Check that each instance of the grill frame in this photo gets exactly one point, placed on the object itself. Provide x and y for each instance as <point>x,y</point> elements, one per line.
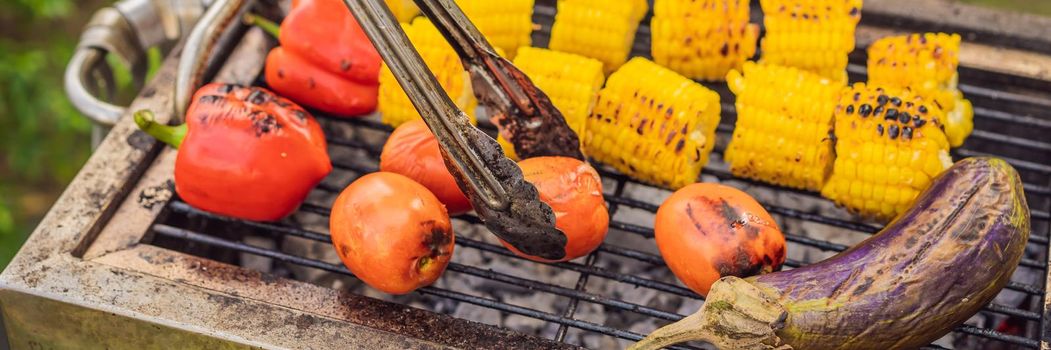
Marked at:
<point>86,254</point>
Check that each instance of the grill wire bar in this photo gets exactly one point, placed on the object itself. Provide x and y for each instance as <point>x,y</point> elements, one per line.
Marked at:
<point>1010,110</point>
<point>565,320</point>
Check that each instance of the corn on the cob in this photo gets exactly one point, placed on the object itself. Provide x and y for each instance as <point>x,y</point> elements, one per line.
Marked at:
<point>507,24</point>
<point>889,146</point>
<point>702,39</point>
<point>570,81</point>
<point>403,10</point>
<point>927,64</point>
<point>600,29</point>
<point>394,106</point>
<point>653,124</point>
<point>815,35</point>
<point>784,120</point>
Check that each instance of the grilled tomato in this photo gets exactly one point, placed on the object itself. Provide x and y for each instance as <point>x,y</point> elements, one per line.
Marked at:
<point>573,189</point>
<point>707,231</point>
<point>391,232</point>
<point>412,150</point>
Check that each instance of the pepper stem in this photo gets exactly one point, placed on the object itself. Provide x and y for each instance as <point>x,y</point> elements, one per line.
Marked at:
<point>268,26</point>
<point>171,135</point>
<point>736,315</point>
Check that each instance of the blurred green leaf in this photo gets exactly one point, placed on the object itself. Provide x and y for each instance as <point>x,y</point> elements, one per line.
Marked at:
<point>42,8</point>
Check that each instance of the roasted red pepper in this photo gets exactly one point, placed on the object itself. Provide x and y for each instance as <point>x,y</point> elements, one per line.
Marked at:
<point>244,152</point>
<point>325,61</point>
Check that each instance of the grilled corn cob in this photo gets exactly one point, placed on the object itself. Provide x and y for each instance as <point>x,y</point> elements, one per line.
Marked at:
<point>925,63</point>
<point>600,29</point>
<point>702,39</point>
<point>570,81</point>
<point>889,146</point>
<point>403,10</point>
<point>653,124</point>
<point>507,24</point>
<point>815,35</point>
<point>394,106</point>
<point>784,117</point>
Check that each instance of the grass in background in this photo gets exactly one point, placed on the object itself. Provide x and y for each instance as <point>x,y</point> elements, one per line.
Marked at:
<point>43,138</point>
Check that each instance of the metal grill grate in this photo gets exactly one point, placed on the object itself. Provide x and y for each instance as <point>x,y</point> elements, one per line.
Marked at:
<point>1007,125</point>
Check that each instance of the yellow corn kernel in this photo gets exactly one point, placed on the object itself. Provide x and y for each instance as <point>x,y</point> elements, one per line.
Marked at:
<point>814,35</point>
<point>570,81</point>
<point>897,141</point>
<point>507,24</point>
<point>702,39</point>
<point>653,124</point>
<point>394,106</point>
<point>600,29</point>
<point>403,10</point>
<point>784,117</point>
<point>927,64</point>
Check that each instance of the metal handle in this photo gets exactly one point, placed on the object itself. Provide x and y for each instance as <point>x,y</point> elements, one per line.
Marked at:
<point>87,65</point>
<point>201,44</point>
<point>508,205</point>
<point>126,30</point>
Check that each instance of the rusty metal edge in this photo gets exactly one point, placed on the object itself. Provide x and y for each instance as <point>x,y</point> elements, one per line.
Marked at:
<point>975,23</point>
<point>356,311</point>
<point>49,266</point>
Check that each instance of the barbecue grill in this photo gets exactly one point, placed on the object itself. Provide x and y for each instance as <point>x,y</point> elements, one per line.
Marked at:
<point>121,262</point>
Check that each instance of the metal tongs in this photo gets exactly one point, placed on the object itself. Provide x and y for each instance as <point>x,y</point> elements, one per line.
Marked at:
<point>508,205</point>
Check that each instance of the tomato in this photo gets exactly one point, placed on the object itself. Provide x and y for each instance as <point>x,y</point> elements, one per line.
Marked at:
<point>412,150</point>
<point>391,232</point>
<point>573,189</point>
<point>707,231</point>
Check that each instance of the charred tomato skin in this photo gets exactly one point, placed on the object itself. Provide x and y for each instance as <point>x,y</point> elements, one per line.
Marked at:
<point>413,151</point>
<point>248,153</point>
<point>391,232</point>
<point>707,231</point>
<point>573,190</point>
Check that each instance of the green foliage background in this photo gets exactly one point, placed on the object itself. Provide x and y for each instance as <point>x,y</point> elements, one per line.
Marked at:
<point>44,140</point>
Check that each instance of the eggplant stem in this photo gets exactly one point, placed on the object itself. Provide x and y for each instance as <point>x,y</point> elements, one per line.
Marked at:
<point>267,25</point>
<point>171,135</point>
<point>736,315</point>
<point>687,329</point>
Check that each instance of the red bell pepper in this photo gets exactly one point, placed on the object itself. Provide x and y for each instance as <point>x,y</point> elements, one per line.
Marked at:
<point>325,61</point>
<point>244,152</point>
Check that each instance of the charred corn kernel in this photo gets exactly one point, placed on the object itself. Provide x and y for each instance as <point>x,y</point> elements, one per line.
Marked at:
<point>394,106</point>
<point>889,146</point>
<point>403,10</point>
<point>570,81</point>
<point>507,24</point>
<point>784,117</point>
<point>600,29</point>
<point>702,39</point>
<point>927,64</point>
<point>653,124</point>
<point>815,35</point>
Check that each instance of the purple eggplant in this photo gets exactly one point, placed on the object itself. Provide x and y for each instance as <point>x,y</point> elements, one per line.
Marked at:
<point>928,271</point>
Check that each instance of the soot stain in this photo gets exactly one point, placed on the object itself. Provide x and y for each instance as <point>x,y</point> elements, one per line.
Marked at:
<point>693,219</point>
<point>264,123</point>
<point>864,286</point>
<point>140,140</point>
<point>210,99</point>
<point>437,238</point>
<point>733,217</point>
